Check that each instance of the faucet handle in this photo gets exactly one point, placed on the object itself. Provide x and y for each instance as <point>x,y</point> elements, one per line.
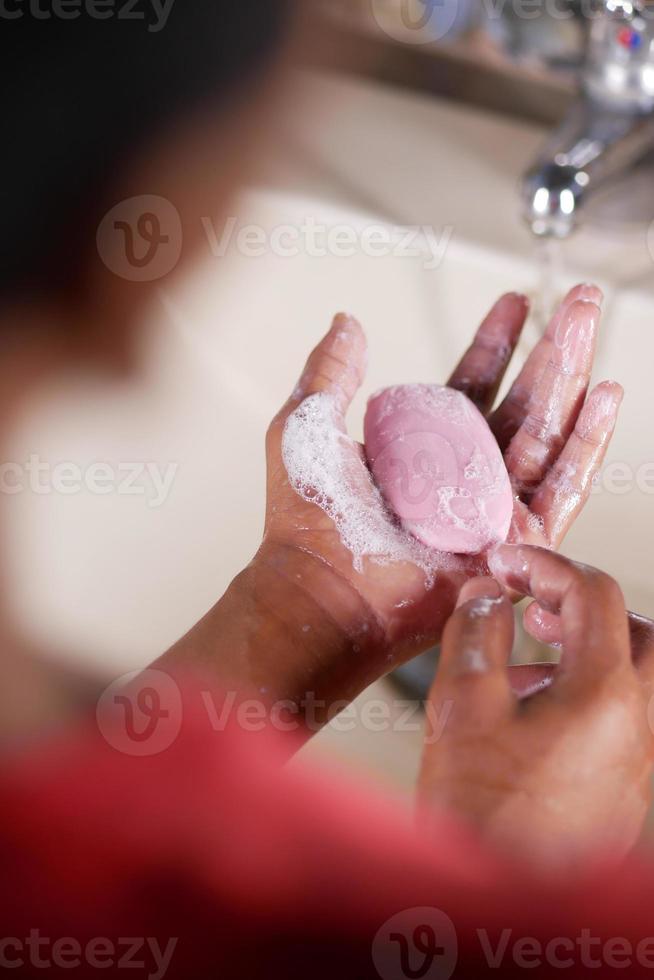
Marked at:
<point>619,66</point>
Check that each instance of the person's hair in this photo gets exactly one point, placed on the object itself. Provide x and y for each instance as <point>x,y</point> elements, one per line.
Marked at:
<point>80,94</point>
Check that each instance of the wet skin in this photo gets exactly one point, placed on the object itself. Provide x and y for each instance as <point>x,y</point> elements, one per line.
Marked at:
<point>301,618</point>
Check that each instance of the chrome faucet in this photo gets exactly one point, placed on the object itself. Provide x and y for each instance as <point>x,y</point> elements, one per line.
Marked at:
<point>609,128</point>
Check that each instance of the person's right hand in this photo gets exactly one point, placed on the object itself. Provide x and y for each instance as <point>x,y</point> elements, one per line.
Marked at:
<point>565,773</point>
<point>305,620</point>
<point>553,439</point>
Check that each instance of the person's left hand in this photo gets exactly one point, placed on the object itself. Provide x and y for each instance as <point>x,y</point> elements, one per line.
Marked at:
<point>564,774</point>
<point>353,626</point>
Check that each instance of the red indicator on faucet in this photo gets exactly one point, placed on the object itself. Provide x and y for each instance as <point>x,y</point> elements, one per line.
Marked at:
<point>629,38</point>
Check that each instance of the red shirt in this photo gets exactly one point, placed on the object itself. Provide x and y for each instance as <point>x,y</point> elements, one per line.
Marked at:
<point>207,857</point>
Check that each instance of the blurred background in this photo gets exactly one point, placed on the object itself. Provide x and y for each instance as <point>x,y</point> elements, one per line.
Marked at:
<point>431,155</point>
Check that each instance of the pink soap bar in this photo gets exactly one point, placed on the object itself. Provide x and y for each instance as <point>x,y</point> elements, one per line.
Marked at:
<point>438,466</point>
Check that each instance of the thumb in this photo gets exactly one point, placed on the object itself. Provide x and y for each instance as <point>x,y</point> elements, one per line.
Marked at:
<point>336,366</point>
<point>475,650</point>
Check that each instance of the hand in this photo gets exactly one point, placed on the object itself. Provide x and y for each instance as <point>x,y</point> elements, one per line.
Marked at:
<point>553,441</point>
<point>546,627</point>
<point>566,772</point>
<point>301,618</point>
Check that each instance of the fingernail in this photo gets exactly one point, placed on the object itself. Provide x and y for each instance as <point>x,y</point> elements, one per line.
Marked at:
<point>611,395</point>
<point>518,297</point>
<point>545,624</point>
<point>575,335</point>
<point>510,564</point>
<point>479,588</point>
<point>344,321</point>
<point>590,293</point>
<point>506,304</point>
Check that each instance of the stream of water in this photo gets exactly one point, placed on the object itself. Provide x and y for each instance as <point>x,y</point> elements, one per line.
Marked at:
<point>549,262</point>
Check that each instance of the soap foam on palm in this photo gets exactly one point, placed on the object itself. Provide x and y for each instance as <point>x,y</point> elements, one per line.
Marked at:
<point>324,467</point>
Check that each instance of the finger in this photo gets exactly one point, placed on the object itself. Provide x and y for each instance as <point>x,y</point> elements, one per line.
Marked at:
<point>594,629</point>
<point>567,486</point>
<point>336,366</point>
<point>480,371</point>
<point>529,679</point>
<point>475,649</point>
<point>545,627</point>
<point>511,413</point>
<point>558,397</point>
